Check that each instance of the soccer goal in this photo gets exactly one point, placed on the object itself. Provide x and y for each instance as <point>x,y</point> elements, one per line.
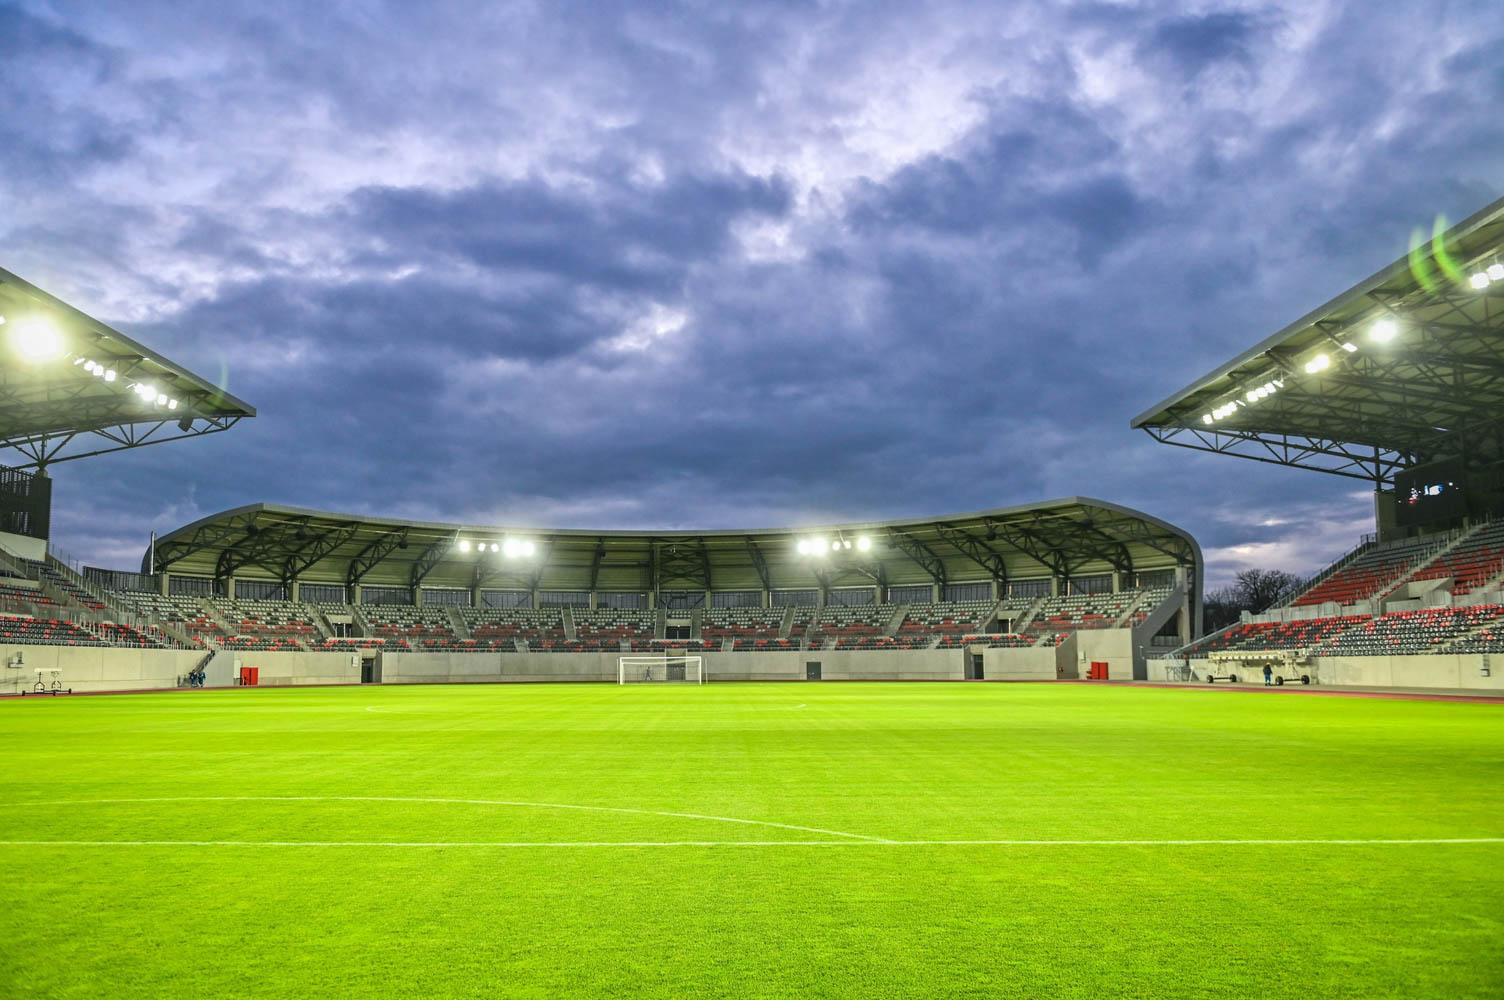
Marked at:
<point>660,670</point>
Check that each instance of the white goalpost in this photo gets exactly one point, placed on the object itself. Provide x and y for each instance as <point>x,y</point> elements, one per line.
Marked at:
<point>660,670</point>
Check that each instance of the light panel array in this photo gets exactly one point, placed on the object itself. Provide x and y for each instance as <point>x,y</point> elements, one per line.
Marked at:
<point>819,546</point>
<point>512,548</point>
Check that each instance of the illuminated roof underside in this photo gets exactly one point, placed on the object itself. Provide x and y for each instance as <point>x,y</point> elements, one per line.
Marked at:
<point>1413,371</point>
<point>98,391</point>
<point>1061,538</point>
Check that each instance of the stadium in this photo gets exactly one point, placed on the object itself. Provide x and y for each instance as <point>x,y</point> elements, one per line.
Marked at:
<point>362,723</point>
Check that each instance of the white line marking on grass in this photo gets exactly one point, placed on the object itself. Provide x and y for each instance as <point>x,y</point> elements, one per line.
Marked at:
<point>735,843</point>
<point>466,802</point>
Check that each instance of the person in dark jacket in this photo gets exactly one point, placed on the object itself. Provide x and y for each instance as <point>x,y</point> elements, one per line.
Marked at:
<point>1268,676</point>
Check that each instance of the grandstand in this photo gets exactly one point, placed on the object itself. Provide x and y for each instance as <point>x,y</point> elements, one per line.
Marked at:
<point>317,597</point>
<point>1395,382</point>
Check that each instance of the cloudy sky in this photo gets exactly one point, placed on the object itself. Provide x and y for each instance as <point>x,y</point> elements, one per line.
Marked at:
<point>709,265</point>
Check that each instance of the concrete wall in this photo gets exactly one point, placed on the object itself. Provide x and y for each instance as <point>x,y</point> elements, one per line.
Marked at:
<point>89,668</point>
<point>1458,672</point>
<point>94,669</point>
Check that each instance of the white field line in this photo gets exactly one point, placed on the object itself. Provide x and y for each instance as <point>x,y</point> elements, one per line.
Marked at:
<point>466,802</point>
<point>743,843</point>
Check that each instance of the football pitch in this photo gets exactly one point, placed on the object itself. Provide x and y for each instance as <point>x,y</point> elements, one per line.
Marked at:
<point>739,840</point>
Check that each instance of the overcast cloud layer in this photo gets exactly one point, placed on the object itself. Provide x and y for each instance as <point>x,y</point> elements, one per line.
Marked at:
<point>719,266</point>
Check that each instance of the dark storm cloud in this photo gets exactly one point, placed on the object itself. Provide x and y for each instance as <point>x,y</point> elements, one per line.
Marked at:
<point>1192,44</point>
<point>637,265</point>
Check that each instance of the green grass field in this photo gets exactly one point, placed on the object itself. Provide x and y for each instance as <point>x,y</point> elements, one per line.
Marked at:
<point>775,840</point>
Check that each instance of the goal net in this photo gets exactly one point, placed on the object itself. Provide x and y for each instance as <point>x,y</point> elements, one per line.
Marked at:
<point>660,670</point>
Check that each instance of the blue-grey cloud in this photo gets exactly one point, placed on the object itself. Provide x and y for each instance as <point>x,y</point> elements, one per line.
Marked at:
<point>639,265</point>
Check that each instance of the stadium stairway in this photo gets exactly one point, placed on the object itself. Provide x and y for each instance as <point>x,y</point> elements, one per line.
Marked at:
<point>788,623</point>
<point>1431,557</point>
<point>457,622</point>
<point>566,615</point>
<point>900,611</point>
<point>660,624</point>
<point>1145,630</point>
<point>1022,622</point>
<point>696,622</point>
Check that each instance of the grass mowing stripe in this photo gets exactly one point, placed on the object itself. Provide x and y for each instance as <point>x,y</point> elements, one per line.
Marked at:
<point>739,843</point>
<point>1058,841</point>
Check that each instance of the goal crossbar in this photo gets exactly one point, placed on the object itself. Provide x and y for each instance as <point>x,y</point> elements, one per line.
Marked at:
<point>660,670</point>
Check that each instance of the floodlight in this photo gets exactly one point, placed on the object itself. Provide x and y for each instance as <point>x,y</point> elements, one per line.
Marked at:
<point>494,547</point>
<point>1349,347</point>
<point>1495,273</point>
<point>1319,363</point>
<point>863,543</point>
<point>528,548</point>
<point>835,546</point>
<point>88,365</point>
<point>1268,388</point>
<point>2,320</point>
<point>846,543</point>
<point>37,340</point>
<point>1480,280</point>
<point>817,546</point>
<point>803,547</point>
<point>1252,395</point>
<point>109,376</point>
<point>98,370</point>
<point>1206,418</point>
<point>464,545</point>
<point>161,398</point>
<point>1383,331</point>
<point>172,404</point>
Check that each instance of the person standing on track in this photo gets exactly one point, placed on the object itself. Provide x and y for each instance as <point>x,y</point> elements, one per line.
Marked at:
<point>1268,675</point>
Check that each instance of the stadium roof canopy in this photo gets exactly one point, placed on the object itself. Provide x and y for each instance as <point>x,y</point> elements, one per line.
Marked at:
<point>1404,369</point>
<point>1058,538</point>
<point>60,401</point>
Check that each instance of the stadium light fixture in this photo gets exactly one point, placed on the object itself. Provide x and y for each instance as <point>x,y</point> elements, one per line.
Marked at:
<point>1349,347</point>
<point>1383,331</point>
<point>1206,418</point>
<point>36,340</point>
<point>1495,272</point>
<point>172,404</point>
<point>818,547</point>
<point>863,543</point>
<point>1317,364</point>
<point>803,547</point>
<point>1480,280</point>
<point>464,545</point>
<point>110,376</point>
<point>845,543</point>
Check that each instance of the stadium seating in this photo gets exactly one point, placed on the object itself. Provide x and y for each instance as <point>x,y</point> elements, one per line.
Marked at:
<point>117,634</point>
<point>11,593</point>
<point>261,643</point>
<point>1475,561</point>
<point>1006,640</point>
<point>764,645</point>
<point>613,624</point>
<point>945,619</point>
<point>514,623</point>
<point>1082,611</point>
<point>1254,636</point>
<point>1408,632</point>
<point>408,622</point>
<point>742,623</point>
<point>866,642</point>
<point>63,582</point>
<point>267,617</point>
<point>349,642</point>
<point>1370,574</point>
<point>866,619</point>
<point>45,632</point>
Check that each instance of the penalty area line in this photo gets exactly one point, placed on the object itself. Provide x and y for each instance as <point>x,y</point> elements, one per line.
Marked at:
<point>1245,842</point>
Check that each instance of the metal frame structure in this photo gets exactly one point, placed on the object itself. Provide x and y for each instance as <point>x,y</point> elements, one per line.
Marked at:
<point>1434,391</point>
<point>56,411</point>
<point>1057,539</point>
